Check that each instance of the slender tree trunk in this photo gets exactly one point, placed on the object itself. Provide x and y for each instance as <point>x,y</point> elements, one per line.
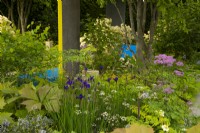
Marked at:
<point>10,7</point>
<point>140,32</point>
<point>23,8</point>
<point>71,31</point>
<point>154,21</point>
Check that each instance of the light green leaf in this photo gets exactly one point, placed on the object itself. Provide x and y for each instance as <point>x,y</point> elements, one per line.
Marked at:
<point>32,105</point>
<point>5,116</point>
<point>2,102</point>
<point>43,92</point>
<point>10,100</point>
<point>29,93</point>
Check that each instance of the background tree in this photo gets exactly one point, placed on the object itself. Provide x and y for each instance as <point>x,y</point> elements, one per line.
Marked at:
<point>18,11</point>
<point>155,8</point>
<point>179,35</point>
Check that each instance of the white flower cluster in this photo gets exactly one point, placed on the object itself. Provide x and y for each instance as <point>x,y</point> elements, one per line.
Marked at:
<point>165,128</point>
<point>105,114</point>
<point>5,24</point>
<point>126,104</point>
<point>113,91</point>
<point>160,112</point>
<point>102,93</point>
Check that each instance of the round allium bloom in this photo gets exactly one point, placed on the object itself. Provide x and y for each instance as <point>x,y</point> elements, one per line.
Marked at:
<point>178,73</point>
<point>163,59</point>
<point>179,63</point>
<point>168,90</point>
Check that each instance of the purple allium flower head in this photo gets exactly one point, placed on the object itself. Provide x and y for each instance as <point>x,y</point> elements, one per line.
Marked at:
<point>163,59</point>
<point>178,73</point>
<point>109,80</point>
<point>80,96</point>
<point>85,68</point>
<point>116,79</point>
<point>179,63</point>
<point>168,90</point>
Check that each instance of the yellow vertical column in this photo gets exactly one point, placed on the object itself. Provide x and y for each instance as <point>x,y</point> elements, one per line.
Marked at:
<point>60,39</point>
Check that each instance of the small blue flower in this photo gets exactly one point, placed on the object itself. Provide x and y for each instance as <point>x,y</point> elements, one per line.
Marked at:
<point>80,97</point>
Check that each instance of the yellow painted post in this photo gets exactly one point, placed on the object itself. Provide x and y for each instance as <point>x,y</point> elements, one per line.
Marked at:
<point>60,40</point>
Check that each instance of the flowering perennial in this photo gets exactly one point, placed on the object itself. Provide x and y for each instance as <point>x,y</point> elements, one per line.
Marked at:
<point>178,73</point>
<point>163,59</point>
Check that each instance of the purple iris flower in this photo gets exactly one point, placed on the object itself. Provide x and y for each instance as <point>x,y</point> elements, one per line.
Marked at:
<point>101,67</point>
<point>109,80</point>
<point>86,69</point>
<point>91,78</point>
<point>66,87</point>
<point>80,96</point>
<point>86,84</point>
<point>116,79</point>
<point>70,82</point>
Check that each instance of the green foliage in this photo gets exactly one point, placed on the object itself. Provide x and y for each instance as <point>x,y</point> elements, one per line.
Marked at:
<point>41,97</point>
<point>178,35</point>
<point>107,40</point>
<point>5,116</point>
<point>24,53</point>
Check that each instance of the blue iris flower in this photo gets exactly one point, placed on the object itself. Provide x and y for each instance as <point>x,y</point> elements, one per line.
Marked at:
<point>116,79</point>
<point>109,80</point>
<point>80,96</point>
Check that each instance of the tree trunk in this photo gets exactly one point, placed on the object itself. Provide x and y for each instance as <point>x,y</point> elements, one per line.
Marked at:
<point>71,32</point>
<point>23,8</point>
<point>10,6</point>
<point>111,12</point>
<point>140,32</point>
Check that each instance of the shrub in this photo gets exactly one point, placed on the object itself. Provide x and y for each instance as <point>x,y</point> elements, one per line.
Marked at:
<point>23,53</point>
